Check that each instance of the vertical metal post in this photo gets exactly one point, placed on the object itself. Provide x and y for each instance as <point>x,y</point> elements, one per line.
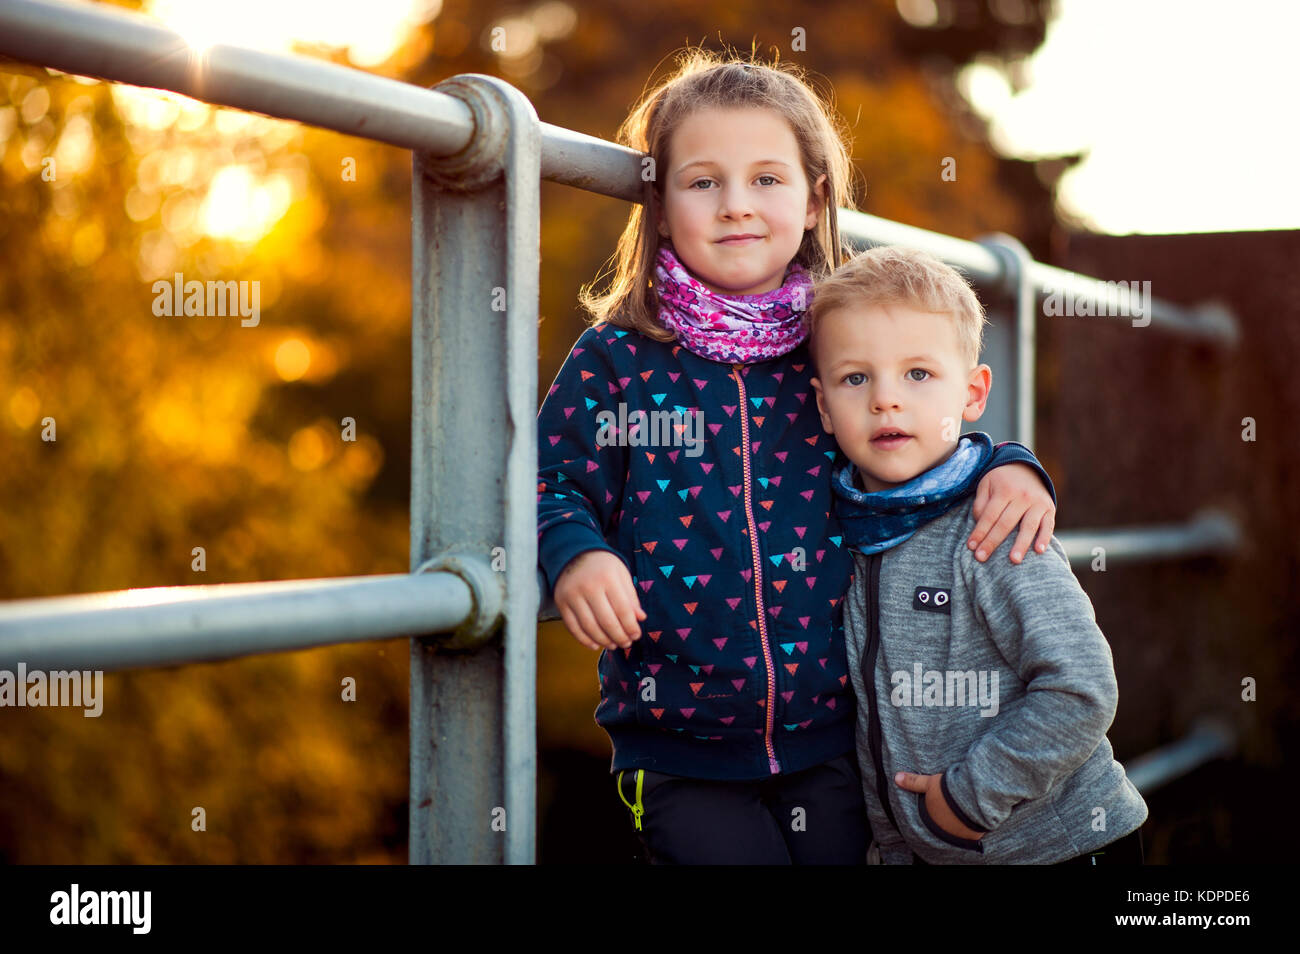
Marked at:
<point>1017,283</point>
<point>476,243</point>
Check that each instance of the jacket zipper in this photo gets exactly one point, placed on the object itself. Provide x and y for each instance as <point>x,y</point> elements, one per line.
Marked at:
<point>772,763</point>
<point>869,681</point>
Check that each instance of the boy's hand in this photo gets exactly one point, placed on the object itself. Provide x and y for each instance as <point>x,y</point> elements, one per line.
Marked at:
<point>598,602</point>
<point>936,804</point>
<point>1006,496</point>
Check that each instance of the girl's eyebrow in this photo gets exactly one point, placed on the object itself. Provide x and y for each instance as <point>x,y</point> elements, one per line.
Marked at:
<point>710,163</point>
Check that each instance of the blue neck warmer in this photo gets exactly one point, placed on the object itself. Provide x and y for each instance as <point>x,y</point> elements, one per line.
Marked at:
<point>873,522</point>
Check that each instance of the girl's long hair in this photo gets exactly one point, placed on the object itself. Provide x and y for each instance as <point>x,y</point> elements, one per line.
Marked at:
<point>702,80</point>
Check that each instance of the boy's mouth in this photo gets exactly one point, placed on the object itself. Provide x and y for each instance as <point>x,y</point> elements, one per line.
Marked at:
<point>889,438</point>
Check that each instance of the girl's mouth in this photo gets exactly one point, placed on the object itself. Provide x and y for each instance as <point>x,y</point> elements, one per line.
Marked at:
<point>740,240</point>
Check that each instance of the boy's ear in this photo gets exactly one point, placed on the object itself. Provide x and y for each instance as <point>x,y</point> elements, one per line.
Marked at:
<point>978,386</point>
<point>821,407</point>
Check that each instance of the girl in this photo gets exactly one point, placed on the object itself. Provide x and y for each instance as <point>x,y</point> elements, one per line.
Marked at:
<point>683,483</point>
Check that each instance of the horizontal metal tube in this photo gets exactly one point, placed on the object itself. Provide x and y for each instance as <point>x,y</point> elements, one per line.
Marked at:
<point>121,46</point>
<point>126,47</point>
<point>1209,739</point>
<point>1208,321</point>
<point>546,606</point>
<point>113,44</point>
<point>585,162</point>
<point>167,625</point>
<point>1210,531</point>
<point>866,231</point>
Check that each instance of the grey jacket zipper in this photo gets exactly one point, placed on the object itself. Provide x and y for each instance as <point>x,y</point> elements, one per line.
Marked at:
<point>869,681</point>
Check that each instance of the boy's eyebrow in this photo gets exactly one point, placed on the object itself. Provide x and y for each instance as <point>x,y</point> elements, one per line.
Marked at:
<point>710,162</point>
<point>918,358</point>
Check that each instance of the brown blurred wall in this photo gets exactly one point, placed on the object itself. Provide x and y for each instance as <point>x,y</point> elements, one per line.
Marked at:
<point>1139,426</point>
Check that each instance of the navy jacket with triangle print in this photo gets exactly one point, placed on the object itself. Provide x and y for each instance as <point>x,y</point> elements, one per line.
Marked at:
<point>732,543</point>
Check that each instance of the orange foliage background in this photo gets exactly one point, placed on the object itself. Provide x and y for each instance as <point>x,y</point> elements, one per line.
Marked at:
<point>174,433</point>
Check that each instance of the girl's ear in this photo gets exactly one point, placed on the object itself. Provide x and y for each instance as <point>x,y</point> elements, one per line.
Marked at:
<point>816,202</point>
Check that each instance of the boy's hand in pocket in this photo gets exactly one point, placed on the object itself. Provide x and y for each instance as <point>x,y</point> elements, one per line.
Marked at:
<point>936,804</point>
<point>598,602</point>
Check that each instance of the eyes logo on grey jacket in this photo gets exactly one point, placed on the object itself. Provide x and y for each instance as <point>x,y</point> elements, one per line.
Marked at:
<point>932,600</point>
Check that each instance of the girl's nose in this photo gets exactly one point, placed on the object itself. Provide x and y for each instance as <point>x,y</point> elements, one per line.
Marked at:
<point>735,201</point>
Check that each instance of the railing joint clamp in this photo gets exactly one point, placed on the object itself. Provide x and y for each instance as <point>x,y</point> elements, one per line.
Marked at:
<point>487,590</point>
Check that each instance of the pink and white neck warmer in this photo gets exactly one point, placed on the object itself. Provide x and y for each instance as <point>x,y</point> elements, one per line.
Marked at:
<point>732,328</point>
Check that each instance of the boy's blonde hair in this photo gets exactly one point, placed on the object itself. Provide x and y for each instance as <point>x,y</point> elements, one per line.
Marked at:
<point>893,275</point>
<point>702,80</point>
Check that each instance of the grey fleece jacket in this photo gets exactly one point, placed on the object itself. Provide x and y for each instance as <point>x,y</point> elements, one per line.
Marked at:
<point>995,675</point>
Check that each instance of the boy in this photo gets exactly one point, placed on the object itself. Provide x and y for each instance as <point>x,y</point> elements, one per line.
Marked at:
<point>984,689</point>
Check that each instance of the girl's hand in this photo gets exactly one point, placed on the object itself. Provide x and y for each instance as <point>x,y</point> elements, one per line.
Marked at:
<point>598,602</point>
<point>1006,496</point>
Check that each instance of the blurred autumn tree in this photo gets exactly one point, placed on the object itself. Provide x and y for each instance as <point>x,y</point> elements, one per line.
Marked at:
<point>181,432</point>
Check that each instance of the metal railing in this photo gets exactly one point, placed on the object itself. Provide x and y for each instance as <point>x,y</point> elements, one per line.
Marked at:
<point>479,154</point>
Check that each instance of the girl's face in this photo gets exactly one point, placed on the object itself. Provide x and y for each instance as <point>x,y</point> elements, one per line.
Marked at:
<point>736,201</point>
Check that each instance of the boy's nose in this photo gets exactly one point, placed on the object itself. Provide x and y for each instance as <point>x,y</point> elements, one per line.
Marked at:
<point>883,401</point>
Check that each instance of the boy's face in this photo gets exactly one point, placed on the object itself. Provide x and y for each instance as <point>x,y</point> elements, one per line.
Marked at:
<point>895,369</point>
<point>736,172</point>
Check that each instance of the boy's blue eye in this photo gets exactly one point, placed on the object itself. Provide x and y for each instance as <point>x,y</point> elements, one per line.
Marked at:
<point>922,371</point>
<point>848,378</point>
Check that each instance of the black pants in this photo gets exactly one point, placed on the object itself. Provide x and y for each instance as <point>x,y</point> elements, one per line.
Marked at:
<point>1121,851</point>
<point>813,817</point>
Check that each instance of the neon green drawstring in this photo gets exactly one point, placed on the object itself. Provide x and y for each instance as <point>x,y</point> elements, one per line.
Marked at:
<point>637,809</point>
